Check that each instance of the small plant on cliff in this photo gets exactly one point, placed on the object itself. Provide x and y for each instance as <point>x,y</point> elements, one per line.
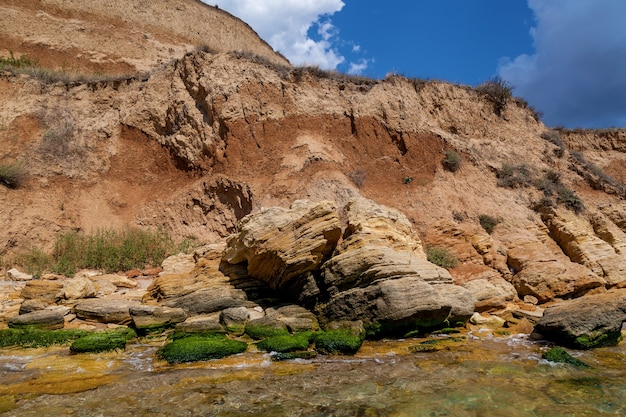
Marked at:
<point>554,137</point>
<point>12,174</point>
<point>451,161</point>
<point>488,222</point>
<point>514,176</point>
<point>498,91</point>
<point>12,62</point>
<point>441,257</point>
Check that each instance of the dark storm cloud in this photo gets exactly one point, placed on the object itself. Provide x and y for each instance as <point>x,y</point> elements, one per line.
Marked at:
<point>577,75</point>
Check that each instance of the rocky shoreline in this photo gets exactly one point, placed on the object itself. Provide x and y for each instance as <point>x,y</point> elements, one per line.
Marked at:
<point>316,270</point>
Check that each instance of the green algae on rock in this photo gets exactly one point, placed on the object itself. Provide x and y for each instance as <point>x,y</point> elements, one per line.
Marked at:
<point>560,355</point>
<point>102,341</point>
<point>30,337</point>
<point>338,342</point>
<point>194,348</point>
<point>286,343</point>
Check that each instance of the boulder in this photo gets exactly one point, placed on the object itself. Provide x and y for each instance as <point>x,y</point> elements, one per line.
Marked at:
<point>120,281</point>
<point>209,300</point>
<point>43,319</point>
<point>15,275</point>
<point>28,306</point>
<point>233,317</point>
<point>105,310</point>
<point>397,306</point>
<point>49,291</point>
<point>585,322</point>
<point>147,317</point>
<point>295,317</point>
<point>201,323</point>
<point>280,245</point>
<point>178,264</point>
<point>79,287</point>
<point>487,286</point>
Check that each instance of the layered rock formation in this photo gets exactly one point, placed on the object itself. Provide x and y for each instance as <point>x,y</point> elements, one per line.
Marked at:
<point>208,139</point>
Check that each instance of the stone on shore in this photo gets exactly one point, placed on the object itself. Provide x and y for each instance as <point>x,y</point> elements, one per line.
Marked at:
<point>47,319</point>
<point>586,322</point>
<point>16,275</point>
<point>79,287</point>
<point>49,291</point>
<point>146,317</point>
<point>105,310</point>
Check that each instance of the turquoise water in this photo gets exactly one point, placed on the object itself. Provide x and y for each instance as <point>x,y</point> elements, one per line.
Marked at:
<point>485,376</point>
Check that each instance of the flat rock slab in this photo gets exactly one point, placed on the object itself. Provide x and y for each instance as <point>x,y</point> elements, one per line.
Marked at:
<point>146,316</point>
<point>105,310</point>
<point>43,319</point>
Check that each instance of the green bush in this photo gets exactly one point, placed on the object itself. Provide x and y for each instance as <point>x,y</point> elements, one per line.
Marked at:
<point>12,174</point>
<point>191,349</point>
<point>441,257</point>
<point>498,91</point>
<point>488,222</point>
<point>286,343</point>
<point>33,337</point>
<point>338,342</point>
<point>451,161</point>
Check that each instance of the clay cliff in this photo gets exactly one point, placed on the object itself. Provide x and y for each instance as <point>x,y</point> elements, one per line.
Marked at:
<point>195,139</point>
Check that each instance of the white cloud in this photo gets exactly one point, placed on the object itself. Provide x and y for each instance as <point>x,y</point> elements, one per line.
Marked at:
<point>285,25</point>
<point>358,67</point>
<point>577,75</point>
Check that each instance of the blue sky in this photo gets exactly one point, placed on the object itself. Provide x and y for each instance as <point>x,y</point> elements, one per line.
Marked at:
<point>567,58</point>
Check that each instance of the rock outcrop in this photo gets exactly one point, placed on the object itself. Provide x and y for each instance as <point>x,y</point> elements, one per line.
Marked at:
<point>280,246</point>
<point>378,273</point>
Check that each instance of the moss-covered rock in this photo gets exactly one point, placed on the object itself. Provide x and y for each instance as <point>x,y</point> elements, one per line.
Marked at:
<point>197,348</point>
<point>286,343</point>
<point>261,331</point>
<point>29,337</point>
<point>102,341</point>
<point>338,341</point>
<point>560,355</point>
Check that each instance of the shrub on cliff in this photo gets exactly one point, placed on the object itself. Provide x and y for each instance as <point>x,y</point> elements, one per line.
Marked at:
<point>441,257</point>
<point>488,222</point>
<point>451,161</point>
<point>498,91</point>
<point>12,174</point>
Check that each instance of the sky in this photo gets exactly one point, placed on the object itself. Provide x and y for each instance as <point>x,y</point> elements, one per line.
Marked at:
<point>567,58</point>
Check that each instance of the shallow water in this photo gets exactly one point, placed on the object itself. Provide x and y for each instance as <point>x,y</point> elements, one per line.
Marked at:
<point>485,376</point>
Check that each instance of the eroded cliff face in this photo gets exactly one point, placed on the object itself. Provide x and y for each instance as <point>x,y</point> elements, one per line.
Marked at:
<point>121,36</point>
<point>210,138</point>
